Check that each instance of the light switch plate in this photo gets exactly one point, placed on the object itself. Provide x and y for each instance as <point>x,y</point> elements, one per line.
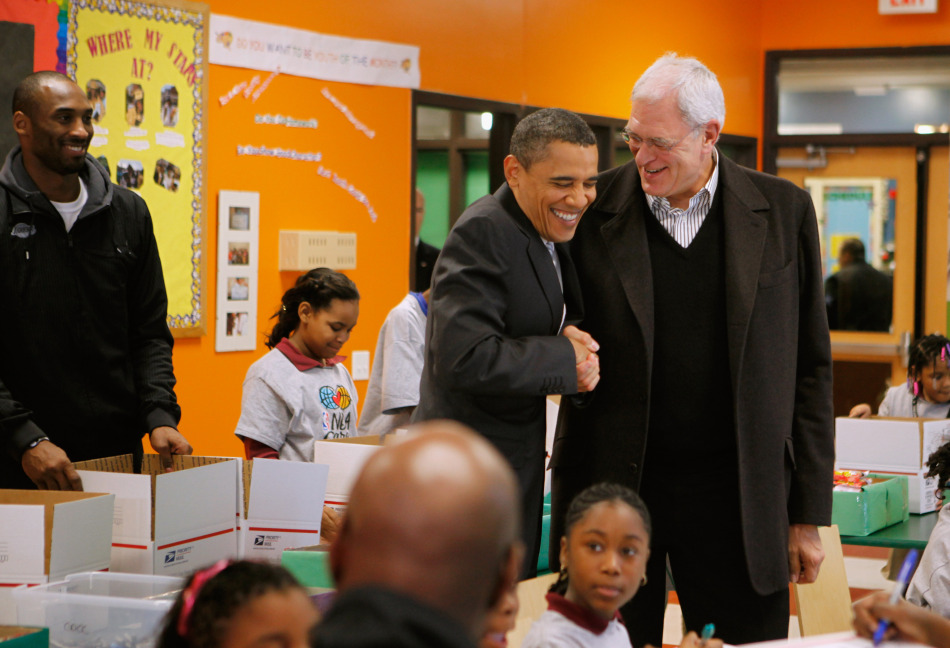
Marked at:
<point>360,365</point>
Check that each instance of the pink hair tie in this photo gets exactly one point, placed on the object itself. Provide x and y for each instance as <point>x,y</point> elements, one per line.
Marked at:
<point>188,598</point>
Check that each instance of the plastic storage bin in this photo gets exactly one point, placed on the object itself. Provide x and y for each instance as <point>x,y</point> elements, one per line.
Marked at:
<point>98,609</point>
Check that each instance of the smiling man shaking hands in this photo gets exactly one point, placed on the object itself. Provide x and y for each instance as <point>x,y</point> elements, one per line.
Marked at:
<point>504,295</point>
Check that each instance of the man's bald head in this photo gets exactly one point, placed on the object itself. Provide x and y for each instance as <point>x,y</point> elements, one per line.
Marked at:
<point>26,96</point>
<point>436,518</point>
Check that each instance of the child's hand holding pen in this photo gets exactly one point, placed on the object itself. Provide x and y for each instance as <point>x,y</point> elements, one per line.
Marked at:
<point>907,622</point>
<point>693,640</point>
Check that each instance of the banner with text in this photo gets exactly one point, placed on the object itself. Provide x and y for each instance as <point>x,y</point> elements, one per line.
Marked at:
<point>263,46</point>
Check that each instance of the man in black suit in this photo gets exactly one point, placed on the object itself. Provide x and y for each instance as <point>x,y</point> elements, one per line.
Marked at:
<point>504,292</point>
<point>426,254</point>
<point>858,295</point>
<point>703,285</point>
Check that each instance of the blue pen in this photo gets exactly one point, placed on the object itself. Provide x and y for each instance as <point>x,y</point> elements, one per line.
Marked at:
<point>903,579</point>
<point>708,631</point>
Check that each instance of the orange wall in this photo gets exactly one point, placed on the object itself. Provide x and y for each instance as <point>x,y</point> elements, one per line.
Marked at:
<point>579,55</point>
<point>819,24</point>
<point>528,51</point>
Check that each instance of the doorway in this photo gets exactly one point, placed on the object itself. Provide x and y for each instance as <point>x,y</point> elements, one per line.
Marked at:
<point>839,115</point>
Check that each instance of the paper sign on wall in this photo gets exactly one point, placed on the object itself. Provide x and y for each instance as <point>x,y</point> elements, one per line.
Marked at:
<point>263,46</point>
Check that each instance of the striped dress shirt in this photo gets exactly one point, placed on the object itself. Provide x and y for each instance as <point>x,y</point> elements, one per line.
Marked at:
<point>683,225</point>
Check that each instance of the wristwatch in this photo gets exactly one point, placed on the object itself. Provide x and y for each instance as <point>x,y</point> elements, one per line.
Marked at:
<point>36,442</point>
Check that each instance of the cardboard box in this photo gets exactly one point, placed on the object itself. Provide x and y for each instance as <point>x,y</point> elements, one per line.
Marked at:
<point>93,610</point>
<point>168,523</point>
<point>345,459</point>
<point>876,506</point>
<point>45,535</point>
<point>310,565</point>
<point>888,444</point>
<point>23,637</point>
<point>282,506</point>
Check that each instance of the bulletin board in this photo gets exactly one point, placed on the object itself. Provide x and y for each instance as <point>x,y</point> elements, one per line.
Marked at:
<point>143,66</point>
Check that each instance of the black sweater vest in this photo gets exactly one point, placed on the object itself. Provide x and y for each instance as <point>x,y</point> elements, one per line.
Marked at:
<point>691,414</point>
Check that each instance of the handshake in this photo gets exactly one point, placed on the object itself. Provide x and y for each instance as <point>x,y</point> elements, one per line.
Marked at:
<point>585,356</point>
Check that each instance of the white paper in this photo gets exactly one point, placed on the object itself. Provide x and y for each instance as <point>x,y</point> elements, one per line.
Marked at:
<point>345,461</point>
<point>22,543</point>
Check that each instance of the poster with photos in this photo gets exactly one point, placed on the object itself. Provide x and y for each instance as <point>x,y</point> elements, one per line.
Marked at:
<point>143,67</point>
<point>238,233</point>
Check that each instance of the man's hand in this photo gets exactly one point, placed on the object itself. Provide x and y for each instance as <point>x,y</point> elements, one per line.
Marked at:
<point>585,356</point>
<point>168,441</point>
<point>47,466</point>
<point>908,622</point>
<point>805,554</point>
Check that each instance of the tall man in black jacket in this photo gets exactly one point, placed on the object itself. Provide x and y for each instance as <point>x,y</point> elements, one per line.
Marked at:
<point>85,350</point>
<point>702,284</point>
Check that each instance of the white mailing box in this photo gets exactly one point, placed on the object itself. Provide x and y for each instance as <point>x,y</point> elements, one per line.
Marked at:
<point>45,535</point>
<point>345,458</point>
<point>168,524</point>
<point>283,507</point>
<point>888,444</point>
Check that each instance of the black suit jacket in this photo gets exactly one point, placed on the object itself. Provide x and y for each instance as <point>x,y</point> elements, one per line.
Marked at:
<point>779,357</point>
<point>492,346</point>
<point>426,256</point>
<point>859,298</point>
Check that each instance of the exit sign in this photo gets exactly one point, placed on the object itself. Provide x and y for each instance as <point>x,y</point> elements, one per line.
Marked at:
<point>906,6</point>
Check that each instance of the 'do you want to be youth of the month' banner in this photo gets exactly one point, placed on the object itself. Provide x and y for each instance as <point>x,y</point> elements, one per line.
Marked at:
<point>143,67</point>
<point>272,48</point>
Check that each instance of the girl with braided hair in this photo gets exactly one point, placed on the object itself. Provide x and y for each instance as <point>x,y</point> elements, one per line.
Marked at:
<point>927,393</point>
<point>240,604</point>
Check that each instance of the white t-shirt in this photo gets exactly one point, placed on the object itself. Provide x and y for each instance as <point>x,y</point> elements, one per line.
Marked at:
<point>397,369</point>
<point>554,630</point>
<point>930,587</point>
<point>70,210</point>
<point>899,402</point>
<point>289,401</point>
<point>568,625</point>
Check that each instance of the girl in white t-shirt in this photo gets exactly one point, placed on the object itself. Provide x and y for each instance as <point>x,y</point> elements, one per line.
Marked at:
<point>927,394</point>
<point>301,391</point>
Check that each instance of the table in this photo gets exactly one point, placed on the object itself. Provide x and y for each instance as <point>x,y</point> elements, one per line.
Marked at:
<point>912,534</point>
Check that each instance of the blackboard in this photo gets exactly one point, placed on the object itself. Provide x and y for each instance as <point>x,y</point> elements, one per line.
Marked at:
<point>16,52</point>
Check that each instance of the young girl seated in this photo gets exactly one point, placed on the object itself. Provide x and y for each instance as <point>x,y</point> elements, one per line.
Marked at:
<point>927,394</point>
<point>240,605</point>
<point>604,554</point>
<point>301,391</point>
<point>930,587</point>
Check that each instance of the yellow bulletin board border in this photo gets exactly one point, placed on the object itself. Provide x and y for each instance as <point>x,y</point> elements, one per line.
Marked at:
<point>193,322</point>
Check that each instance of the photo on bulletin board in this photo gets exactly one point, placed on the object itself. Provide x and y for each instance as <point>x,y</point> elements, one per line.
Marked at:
<point>143,65</point>
<point>238,235</point>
